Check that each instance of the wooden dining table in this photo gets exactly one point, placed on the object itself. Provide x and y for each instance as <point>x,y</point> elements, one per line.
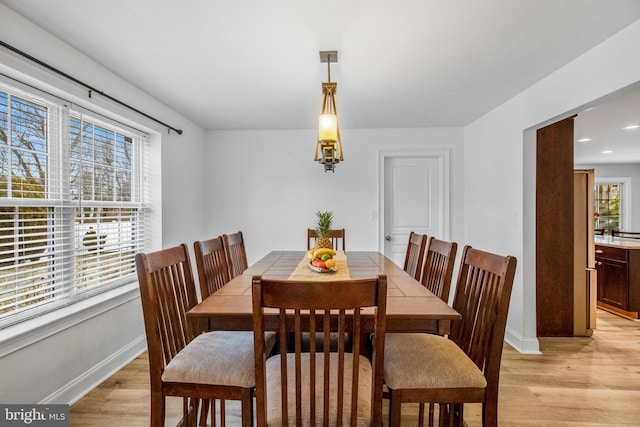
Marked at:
<point>411,307</point>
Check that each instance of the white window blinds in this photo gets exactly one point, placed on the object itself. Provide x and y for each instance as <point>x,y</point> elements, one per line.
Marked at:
<point>71,205</point>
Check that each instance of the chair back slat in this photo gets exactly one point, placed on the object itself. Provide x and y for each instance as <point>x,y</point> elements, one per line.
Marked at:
<point>167,291</point>
<point>415,254</point>
<point>332,309</point>
<point>236,253</point>
<point>337,238</point>
<point>211,261</point>
<point>437,270</point>
<point>483,291</point>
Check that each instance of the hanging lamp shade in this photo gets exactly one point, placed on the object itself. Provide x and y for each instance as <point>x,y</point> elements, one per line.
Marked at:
<point>328,146</point>
<point>328,127</point>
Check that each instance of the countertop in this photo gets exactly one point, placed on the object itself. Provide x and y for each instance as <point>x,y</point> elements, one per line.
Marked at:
<point>617,242</point>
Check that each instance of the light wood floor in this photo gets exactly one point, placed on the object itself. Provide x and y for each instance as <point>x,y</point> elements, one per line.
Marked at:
<point>575,382</point>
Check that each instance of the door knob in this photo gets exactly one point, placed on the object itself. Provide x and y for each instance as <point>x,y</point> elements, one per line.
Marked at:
<point>387,237</point>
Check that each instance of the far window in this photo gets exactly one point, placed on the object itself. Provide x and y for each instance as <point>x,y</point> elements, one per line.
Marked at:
<point>607,206</point>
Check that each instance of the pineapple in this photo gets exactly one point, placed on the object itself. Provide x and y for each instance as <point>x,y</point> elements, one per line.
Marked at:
<point>323,226</point>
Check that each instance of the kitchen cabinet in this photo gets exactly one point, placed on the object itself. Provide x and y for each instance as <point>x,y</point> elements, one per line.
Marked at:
<point>618,275</point>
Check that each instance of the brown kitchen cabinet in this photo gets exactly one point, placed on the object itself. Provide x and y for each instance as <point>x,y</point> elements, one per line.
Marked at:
<point>618,275</point>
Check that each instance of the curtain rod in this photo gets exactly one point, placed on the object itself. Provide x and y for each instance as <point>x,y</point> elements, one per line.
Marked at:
<point>91,89</point>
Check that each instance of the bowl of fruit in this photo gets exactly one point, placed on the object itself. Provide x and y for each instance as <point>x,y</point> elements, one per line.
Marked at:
<point>321,260</point>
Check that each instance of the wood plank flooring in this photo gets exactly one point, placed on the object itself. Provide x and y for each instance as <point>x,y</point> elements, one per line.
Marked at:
<point>575,382</point>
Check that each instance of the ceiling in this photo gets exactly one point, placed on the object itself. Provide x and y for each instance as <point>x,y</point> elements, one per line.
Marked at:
<point>604,127</point>
<point>254,64</point>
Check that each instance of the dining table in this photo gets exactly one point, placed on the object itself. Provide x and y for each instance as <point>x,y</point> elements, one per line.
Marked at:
<point>411,307</point>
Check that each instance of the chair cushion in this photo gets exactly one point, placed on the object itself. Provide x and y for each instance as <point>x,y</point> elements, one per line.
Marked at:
<point>423,361</point>
<point>273,394</point>
<point>220,357</point>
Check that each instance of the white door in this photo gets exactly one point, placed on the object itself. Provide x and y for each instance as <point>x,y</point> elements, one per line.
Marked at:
<point>413,201</point>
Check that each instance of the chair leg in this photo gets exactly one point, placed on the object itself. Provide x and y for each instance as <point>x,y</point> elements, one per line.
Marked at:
<point>444,415</point>
<point>157,410</point>
<point>421,414</point>
<point>395,406</point>
<point>457,413</point>
<point>185,411</point>
<point>431,408</point>
<point>247,408</point>
<point>489,414</point>
<point>204,413</point>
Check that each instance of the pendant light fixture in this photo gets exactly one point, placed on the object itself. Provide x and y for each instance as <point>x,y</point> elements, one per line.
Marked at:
<point>329,146</point>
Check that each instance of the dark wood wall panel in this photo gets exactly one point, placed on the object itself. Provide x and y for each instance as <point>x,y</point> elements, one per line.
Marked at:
<point>554,229</point>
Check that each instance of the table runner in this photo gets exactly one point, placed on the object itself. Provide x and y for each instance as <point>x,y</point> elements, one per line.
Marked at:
<point>303,272</point>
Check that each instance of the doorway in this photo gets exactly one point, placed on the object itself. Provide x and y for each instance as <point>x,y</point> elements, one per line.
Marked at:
<point>594,112</point>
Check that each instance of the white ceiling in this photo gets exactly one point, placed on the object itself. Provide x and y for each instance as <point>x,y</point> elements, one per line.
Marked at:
<point>254,64</point>
<point>604,125</point>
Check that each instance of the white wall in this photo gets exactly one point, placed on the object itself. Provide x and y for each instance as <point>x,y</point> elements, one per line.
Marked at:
<point>65,356</point>
<point>498,179</point>
<point>266,184</point>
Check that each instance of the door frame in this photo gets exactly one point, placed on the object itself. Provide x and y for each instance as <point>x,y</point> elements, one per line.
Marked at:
<point>443,157</point>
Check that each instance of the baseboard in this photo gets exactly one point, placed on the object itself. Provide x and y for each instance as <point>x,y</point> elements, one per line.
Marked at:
<point>631,315</point>
<point>83,384</point>
<point>522,344</point>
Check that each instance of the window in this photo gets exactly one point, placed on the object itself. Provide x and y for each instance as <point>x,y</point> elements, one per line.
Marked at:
<point>71,208</point>
<point>607,206</point>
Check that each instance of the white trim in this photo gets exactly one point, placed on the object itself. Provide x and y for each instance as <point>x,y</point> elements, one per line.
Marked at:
<point>74,390</point>
<point>625,198</point>
<point>23,334</point>
<point>443,157</point>
<point>520,343</point>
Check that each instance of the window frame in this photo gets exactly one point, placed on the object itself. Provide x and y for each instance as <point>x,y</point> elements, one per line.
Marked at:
<point>625,222</point>
<point>63,207</point>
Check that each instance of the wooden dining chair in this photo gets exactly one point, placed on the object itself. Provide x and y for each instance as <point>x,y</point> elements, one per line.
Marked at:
<point>211,262</point>
<point>465,367</point>
<point>236,253</point>
<point>213,274</point>
<point>336,236</point>
<point>415,255</point>
<point>209,366</point>
<point>437,270</point>
<point>319,387</point>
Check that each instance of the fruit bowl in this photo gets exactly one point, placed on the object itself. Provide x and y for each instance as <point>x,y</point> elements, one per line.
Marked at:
<point>321,270</point>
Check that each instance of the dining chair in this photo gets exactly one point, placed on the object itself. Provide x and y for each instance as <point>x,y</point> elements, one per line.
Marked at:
<point>236,253</point>
<point>209,366</point>
<point>213,274</point>
<point>211,262</point>
<point>465,366</point>
<point>336,236</point>
<point>319,387</point>
<point>415,254</point>
<point>437,270</point>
